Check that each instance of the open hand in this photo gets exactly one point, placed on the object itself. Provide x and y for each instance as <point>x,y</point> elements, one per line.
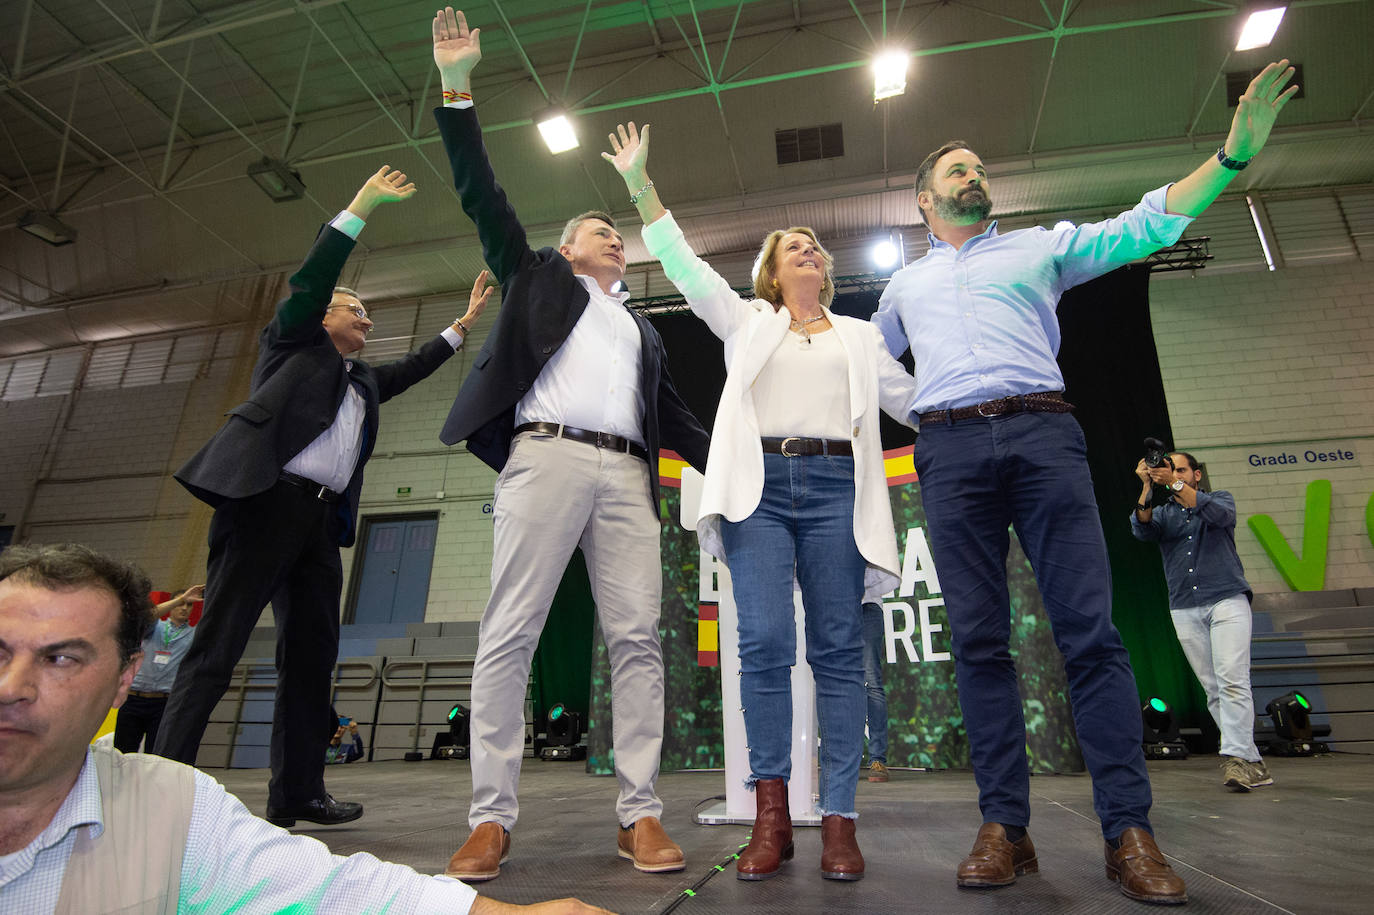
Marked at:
<point>1257,110</point>
<point>193,593</point>
<point>456,49</point>
<point>631,156</point>
<point>386,186</point>
<point>477,300</point>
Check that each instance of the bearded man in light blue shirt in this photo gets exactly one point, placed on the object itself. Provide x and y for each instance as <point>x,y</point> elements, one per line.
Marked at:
<point>998,447</point>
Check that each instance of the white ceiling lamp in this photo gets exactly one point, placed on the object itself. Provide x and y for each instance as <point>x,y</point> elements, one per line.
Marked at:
<point>885,254</point>
<point>557,130</point>
<point>1260,25</point>
<point>889,73</point>
<point>1063,225</point>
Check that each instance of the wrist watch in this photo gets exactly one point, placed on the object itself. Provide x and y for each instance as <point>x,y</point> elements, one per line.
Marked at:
<point>1177,485</point>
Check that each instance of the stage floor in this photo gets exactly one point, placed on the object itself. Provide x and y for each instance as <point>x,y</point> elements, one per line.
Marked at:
<point>1291,847</point>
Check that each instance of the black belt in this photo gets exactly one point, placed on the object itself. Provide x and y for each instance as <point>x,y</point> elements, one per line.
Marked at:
<point>321,492</point>
<point>142,694</point>
<point>1037,402</point>
<point>792,446</point>
<point>599,439</point>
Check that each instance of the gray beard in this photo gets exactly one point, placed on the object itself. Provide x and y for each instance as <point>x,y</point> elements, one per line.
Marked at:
<point>974,207</point>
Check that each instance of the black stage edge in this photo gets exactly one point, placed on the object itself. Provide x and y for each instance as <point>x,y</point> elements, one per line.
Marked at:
<point>1292,847</point>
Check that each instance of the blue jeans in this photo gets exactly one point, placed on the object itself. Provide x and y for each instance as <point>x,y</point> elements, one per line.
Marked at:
<point>874,633</point>
<point>804,523</point>
<point>1216,641</point>
<point>1030,470</point>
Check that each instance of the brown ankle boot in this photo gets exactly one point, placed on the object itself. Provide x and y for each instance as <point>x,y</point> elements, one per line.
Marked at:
<point>771,843</point>
<point>840,855</point>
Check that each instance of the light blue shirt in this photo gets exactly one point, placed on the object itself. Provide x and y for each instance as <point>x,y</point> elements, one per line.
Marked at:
<point>234,862</point>
<point>156,675</point>
<point>980,320</point>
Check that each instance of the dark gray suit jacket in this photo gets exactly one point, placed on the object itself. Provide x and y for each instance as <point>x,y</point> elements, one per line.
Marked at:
<point>541,300</point>
<point>298,385</point>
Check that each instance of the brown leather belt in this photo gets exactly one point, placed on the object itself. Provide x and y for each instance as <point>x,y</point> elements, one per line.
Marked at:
<point>792,446</point>
<point>599,439</point>
<point>1037,402</point>
<point>146,695</point>
<point>321,492</point>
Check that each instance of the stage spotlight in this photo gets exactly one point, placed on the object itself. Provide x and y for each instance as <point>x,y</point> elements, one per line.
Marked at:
<point>885,254</point>
<point>1260,25</point>
<point>563,734</point>
<point>1293,730</point>
<point>454,743</point>
<point>1159,731</point>
<point>889,74</point>
<point>557,130</point>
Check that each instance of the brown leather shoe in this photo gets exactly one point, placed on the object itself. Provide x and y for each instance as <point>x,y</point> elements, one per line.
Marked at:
<point>996,862</point>
<point>482,854</point>
<point>840,855</point>
<point>646,844</point>
<point>771,842</point>
<point>1139,866</point>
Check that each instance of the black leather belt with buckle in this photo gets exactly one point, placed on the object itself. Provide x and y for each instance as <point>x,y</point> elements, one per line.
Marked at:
<point>1037,402</point>
<point>323,493</point>
<point>793,446</point>
<point>599,439</point>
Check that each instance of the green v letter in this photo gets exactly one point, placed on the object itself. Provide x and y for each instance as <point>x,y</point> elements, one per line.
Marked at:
<point>1308,572</point>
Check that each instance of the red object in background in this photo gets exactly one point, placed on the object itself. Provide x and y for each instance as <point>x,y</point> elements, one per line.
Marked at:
<point>161,597</point>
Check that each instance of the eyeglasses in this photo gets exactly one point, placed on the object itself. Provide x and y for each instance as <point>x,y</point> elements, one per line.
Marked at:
<point>358,310</point>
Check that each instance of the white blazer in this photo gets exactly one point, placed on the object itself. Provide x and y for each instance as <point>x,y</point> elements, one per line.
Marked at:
<point>752,330</point>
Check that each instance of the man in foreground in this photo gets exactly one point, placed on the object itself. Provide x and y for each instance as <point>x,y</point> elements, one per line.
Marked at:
<point>85,829</point>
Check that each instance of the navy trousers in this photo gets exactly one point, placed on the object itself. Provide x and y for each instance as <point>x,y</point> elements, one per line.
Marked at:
<point>1029,471</point>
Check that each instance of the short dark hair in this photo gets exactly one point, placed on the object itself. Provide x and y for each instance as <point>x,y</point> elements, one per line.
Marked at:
<point>1192,461</point>
<point>68,566</point>
<point>570,229</point>
<point>927,166</point>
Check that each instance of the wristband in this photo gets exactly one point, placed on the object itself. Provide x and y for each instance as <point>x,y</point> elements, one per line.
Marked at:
<point>634,198</point>
<point>1226,161</point>
<point>1143,506</point>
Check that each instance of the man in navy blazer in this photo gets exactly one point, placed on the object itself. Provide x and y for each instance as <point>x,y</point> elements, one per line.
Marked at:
<point>284,474</point>
<point>569,399</point>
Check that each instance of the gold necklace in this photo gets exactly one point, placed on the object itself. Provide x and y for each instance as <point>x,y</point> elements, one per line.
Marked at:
<point>800,326</point>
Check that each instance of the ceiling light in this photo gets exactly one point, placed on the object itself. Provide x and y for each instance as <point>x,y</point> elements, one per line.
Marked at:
<point>557,130</point>
<point>1063,225</point>
<point>277,180</point>
<point>889,74</point>
<point>47,227</point>
<point>1260,26</point>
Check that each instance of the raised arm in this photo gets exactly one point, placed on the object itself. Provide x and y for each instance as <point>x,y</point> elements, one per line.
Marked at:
<point>707,293</point>
<point>312,286</point>
<point>631,159</point>
<point>1255,114</point>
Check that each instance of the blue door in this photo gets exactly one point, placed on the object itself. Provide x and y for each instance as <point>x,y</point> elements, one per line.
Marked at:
<point>394,579</point>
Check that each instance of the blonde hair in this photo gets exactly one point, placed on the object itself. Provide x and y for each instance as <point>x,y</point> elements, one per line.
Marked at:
<point>765,267</point>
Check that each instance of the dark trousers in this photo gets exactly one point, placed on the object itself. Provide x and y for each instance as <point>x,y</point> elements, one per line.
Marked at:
<point>137,722</point>
<point>1029,470</point>
<point>279,546</point>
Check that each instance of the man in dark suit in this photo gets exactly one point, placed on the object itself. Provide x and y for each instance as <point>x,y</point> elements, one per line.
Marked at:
<point>568,400</point>
<point>284,474</point>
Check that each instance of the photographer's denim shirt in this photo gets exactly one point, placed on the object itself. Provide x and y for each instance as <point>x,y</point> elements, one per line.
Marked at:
<point>1199,549</point>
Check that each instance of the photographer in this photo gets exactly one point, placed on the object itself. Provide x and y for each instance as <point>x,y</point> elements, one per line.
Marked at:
<point>1209,600</point>
<point>346,744</point>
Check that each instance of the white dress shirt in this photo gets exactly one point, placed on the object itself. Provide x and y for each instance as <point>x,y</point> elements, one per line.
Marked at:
<point>233,862</point>
<point>329,460</point>
<point>592,382</point>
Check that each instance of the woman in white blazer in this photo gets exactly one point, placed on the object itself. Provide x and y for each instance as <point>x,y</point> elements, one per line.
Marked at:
<point>794,489</point>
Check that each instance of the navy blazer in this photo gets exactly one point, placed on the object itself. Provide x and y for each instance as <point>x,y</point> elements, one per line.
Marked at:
<point>299,383</point>
<point>541,300</point>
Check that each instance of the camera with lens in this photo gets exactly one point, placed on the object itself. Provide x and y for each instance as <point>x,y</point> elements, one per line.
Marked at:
<point>1156,454</point>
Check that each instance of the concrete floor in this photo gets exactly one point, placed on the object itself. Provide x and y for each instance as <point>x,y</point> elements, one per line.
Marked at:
<point>1292,847</point>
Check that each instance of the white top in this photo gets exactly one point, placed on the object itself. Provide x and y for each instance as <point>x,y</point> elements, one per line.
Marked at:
<point>592,382</point>
<point>803,388</point>
<point>234,862</point>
